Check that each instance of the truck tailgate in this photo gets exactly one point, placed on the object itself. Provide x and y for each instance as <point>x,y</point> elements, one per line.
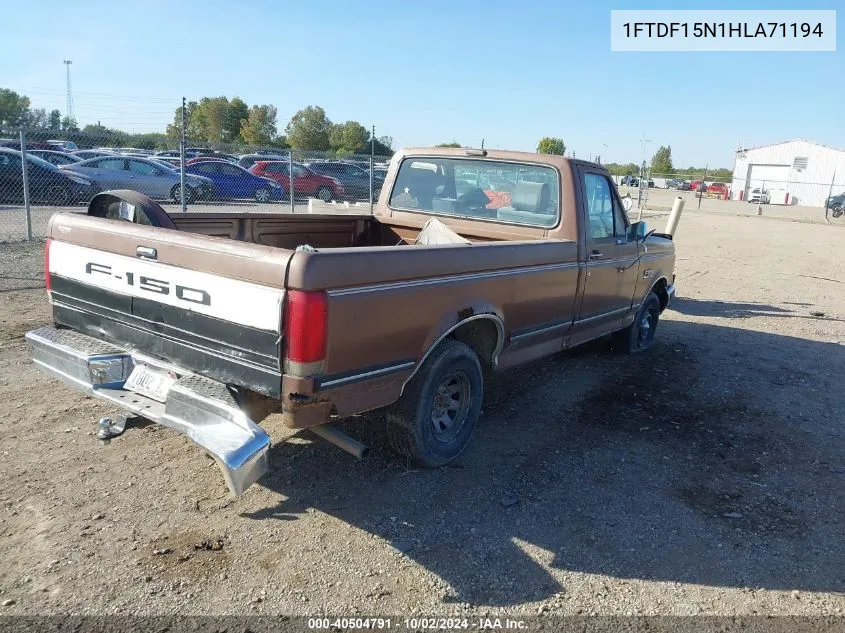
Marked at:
<point>210,305</point>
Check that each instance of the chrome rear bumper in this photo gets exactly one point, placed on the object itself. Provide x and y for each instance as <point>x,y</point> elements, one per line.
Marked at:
<point>202,409</point>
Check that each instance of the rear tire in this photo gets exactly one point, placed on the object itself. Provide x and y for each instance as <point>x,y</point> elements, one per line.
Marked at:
<point>324,194</point>
<point>639,336</point>
<point>59,196</point>
<point>262,195</point>
<point>176,194</point>
<point>434,419</point>
<point>836,210</point>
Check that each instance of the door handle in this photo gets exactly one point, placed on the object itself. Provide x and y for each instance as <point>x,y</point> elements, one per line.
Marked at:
<point>145,252</point>
<point>596,255</point>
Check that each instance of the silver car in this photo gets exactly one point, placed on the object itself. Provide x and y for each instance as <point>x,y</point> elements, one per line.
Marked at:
<point>150,177</point>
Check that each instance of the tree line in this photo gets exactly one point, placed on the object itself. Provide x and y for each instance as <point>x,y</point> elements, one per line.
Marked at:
<point>215,121</point>
<point>662,166</point>
<point>221,122</point>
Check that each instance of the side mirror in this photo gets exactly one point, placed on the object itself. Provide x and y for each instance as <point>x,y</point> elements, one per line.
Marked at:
<point>637,231</point>
<point>627,203</point>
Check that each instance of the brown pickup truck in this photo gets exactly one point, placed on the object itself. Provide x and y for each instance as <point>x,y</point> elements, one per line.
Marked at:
<point>472,260</point>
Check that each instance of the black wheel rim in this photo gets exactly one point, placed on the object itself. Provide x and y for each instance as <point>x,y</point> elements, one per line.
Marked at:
<point>452,401</point>
<point>645,328</point>
<point>58,196</point>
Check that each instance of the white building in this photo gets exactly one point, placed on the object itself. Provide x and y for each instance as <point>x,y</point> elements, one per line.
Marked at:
<point>794,172</point>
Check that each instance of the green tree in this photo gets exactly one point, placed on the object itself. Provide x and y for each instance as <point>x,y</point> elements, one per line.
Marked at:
<point>209,119</point>
<point>452,144</point>
<point>55,122</point>
<point>382,146</point>
<point>236,111</point>
<point>309,129</point>
<point>259,127</point>
<point>661,162</point>
<point>69,124</point>
<point>13,107</point>
<point>193,131</point>
<point>36,118</point>
<point>350,137</point>
<point>551,145</point>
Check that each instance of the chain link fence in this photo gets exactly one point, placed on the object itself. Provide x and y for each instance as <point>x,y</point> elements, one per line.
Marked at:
<point>763,196</point>
<point>63,175</point>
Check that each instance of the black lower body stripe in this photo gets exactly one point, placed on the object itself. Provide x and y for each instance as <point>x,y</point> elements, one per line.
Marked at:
<point>222,350</point>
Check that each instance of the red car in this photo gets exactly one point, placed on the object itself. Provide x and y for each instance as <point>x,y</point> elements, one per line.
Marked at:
<point>305,181</point>
<point>718,187</point>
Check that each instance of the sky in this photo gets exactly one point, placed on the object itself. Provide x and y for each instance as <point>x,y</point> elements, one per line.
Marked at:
<point>427,72</point>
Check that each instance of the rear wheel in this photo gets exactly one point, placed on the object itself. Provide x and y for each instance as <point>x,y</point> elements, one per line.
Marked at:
<point>176,194</point>
<point>324,194</point>
<point>434,419</point>
<point>59,195</point>
<point>262,195</point>
<point>639,336</point>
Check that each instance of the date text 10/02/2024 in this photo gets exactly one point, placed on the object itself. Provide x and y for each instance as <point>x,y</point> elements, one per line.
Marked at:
<point>417,624</point>
<point>722,29</point>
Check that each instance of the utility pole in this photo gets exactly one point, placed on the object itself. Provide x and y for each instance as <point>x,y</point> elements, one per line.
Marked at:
<point>182,144</point>
<point>372,163</point>
<point>67,63</point>
<point>645,142</point>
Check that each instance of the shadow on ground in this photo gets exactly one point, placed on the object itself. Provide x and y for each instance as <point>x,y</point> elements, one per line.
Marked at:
<point>662,467</point>
<point>740,310</point>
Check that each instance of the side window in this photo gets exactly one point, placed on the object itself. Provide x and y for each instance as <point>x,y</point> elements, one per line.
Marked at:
<point>10,161</point>
<point>230,170</point>
<point>600,207</point>
<point>620,218</point>
<point>110,163</point>
<point>142,169</point>
<point>206,168</point>
<point>299,171</point>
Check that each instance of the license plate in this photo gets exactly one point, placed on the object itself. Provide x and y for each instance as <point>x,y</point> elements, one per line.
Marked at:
<point>149,382</point>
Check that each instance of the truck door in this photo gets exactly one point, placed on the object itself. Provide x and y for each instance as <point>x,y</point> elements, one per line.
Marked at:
<point>611,269</point>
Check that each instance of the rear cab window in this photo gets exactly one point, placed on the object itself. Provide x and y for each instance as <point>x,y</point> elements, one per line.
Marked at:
<point>497,191</point>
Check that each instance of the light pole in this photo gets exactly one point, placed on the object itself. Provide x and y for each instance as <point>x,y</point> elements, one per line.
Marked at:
<point>645,142</point>
<point>67,63</point>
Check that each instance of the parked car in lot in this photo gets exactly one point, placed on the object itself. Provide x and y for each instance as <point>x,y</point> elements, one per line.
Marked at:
<point>673,183</point>
<point>408,310</point>
<point>168,160</point>
<point>231,181</point>
<point>248,160</point>
<point>148,176</point>
<point>57,158</point>
<point>67,146</point>
<point>355,181</point>
<point>305,181</point>
<point>718,188</point>
<point>47,183</point>
<point>836,204</point>
<point>759,196</point>
<point>85,154</point>
<point>699,186</point>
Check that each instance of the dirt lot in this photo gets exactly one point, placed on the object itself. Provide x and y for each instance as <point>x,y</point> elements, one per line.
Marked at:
<point>707,476</point>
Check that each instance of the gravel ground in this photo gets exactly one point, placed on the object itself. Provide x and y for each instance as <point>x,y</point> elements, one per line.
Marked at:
<point>705,477</point>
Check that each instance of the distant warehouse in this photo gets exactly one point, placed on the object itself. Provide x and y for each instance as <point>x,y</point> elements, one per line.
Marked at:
<point>793,172</point>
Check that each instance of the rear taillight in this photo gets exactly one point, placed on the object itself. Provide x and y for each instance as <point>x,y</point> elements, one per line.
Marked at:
<point>306,323</point>
<point>47,282</point>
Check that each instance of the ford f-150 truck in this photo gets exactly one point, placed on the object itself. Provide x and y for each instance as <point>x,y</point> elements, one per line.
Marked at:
<point>472,261</point>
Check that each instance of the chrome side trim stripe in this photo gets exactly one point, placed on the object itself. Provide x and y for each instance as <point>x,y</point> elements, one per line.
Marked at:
<point>342,292</point>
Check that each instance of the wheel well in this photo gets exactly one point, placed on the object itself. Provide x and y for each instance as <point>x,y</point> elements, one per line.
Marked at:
<point>481,336</point>
<point>660,289</point>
